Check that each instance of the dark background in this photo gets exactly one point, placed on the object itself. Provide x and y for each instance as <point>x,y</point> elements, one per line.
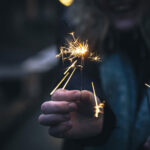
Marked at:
<point>29,31</point>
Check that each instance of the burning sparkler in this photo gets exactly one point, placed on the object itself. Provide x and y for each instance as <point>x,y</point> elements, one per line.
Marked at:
<point>74,52</point>
<point>98,107</point>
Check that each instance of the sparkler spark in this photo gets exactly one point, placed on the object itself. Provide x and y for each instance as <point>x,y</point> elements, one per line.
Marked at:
<point>73,52</point>
<point>98,108</point>
<point>71,66</point>
<point>147,85</point>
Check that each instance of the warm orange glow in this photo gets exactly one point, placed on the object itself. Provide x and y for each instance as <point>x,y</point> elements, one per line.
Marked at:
<point>76,50</point>
<point>73,52</point>
<point>66,2</point>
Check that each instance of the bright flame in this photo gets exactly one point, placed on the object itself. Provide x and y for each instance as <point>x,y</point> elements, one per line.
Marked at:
<point>66,2</point>
<point>147,85</point>
<point>76,50</point>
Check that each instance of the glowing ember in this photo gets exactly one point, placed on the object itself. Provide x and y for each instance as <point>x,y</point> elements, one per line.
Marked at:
<point>73,52</point>
<point>98,108</point>
<point>66,2</point>
<point>147,85</point>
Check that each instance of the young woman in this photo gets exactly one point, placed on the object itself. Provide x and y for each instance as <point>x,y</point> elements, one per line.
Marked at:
<point>119,30</point>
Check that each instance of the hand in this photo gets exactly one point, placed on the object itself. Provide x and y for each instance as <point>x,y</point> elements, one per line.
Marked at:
<point>70,114</point>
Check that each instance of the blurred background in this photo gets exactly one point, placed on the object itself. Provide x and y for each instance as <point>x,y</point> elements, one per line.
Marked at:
<point>29,33</point>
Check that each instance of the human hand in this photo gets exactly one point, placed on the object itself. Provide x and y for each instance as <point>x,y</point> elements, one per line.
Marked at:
<point>70,114</point>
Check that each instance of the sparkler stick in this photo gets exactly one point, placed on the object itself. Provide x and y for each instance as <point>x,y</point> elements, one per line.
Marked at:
<point>95,98</point>
<point>97,111</point>
<point>59,84</point>
<point>81,71</point>
<point>69,78</point>
<point>147,85</point>
<point>73,52</point>
<point>72,66</point>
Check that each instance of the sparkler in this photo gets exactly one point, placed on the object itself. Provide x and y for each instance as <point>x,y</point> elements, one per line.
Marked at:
<point>71,66</point>
<point>98,108</point>
<point>59,84</point>
<point>75,52</point>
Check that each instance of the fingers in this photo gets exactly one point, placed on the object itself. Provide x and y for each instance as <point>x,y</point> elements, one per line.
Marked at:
<point>58,107</point>
<point>60,130</point>
<point>86,95</point>
<point>52,119</point>
<point>66,95</point>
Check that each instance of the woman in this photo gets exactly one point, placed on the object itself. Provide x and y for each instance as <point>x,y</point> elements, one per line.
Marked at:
<point>119,30</point>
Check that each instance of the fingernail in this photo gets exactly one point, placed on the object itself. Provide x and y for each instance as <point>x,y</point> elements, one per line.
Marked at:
<point>72,106</point>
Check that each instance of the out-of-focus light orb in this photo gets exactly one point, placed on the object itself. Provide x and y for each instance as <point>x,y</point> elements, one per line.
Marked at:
<point>66,2</point>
